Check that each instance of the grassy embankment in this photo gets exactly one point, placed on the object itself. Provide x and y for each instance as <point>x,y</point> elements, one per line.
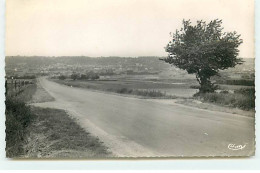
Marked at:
<point>18,119</point>
<point>33,132</point>
<point>242,97</point>
<point>54,134</point>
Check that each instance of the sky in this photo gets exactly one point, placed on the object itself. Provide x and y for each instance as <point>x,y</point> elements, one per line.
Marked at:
<point>115,27</point>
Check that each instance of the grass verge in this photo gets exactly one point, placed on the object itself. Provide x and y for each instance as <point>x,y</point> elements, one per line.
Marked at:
<point>53,134</point>
<point>242,98</point>
<point>18,119</point>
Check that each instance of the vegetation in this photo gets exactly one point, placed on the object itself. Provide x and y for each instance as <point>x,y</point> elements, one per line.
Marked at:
<point>36,132</point>
<point>243,82</point>
<point>90,75</point>
<point>203,50</point>
<point>18,119</point>
<point>50,139</point>
<point>74,76</point>
<point>22,77</point>
<point>62,77</point>
<point>146,93</point>
<point>242,98</point>
<point>118,87</point>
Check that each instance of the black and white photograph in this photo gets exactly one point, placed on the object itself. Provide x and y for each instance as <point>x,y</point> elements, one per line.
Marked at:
<point>129,79</point>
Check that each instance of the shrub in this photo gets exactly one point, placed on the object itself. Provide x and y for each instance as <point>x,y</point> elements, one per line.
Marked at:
<point>149,93</point>
<point>243,98</point>
<point>62,77</point>
<point>224,92</point>
<point>83,76</point>
<point>244,82</point>
<point>92,75</point>
<point>18,118</point>
<point>74,76</point>
<point>124,91</point>
<point>249,97</point>
<point>246,91</point>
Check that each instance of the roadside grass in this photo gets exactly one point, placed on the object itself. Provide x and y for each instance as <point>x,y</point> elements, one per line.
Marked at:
<point>41,96</point>
<point>18,119</point>
<point>241,98</point>
<point>61,137</point>
<point>27,93</point>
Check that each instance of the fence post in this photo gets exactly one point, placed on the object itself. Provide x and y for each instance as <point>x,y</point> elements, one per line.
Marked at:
<point>6,89</point>
<point>15,85</point>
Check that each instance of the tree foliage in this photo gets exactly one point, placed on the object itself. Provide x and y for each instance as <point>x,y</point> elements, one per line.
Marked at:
<point>62,77</point>
<point>203,49</point>
<point>74,76</point>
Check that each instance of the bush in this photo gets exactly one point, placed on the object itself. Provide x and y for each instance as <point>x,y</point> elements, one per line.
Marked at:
<point>74,76</point>
<point>18,118</point>
<point>92,75</point>
<point>83,76</point>
<point>149,93</point>
<point>243,98</point>
<point>249,94</point>
<point>237,82</point>
<point>224,92</point>
<point>62,77</point>
<point>246,91</point>
<point>123,91</point>
<point>89,75</point>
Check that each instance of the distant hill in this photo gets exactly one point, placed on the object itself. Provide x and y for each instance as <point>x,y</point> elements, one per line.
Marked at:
<point>36,64</point>
<point>45,61</point>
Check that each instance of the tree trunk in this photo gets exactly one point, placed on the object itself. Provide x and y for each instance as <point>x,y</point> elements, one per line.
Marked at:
<point>205,84</point>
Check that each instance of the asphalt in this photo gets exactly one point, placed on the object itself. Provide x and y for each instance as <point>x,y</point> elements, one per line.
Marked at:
<point>133,127</point>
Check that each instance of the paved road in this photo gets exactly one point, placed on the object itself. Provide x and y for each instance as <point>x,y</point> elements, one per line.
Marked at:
<point>139,127</point>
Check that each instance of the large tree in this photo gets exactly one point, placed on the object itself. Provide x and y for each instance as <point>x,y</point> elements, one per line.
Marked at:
<point>203,49</point>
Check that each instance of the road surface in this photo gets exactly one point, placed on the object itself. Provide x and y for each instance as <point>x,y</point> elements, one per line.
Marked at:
<point>133,127</point>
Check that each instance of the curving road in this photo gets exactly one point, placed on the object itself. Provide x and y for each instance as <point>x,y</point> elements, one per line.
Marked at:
<point>135,127</point>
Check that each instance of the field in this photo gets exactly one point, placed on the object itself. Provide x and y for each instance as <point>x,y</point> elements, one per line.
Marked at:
<point>176,87</point>
<point>175,84</point>
<point>141,83</point>
<point>49,139</point>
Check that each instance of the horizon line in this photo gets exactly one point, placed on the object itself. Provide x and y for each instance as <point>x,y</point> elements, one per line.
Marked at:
<point>113,56</point>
